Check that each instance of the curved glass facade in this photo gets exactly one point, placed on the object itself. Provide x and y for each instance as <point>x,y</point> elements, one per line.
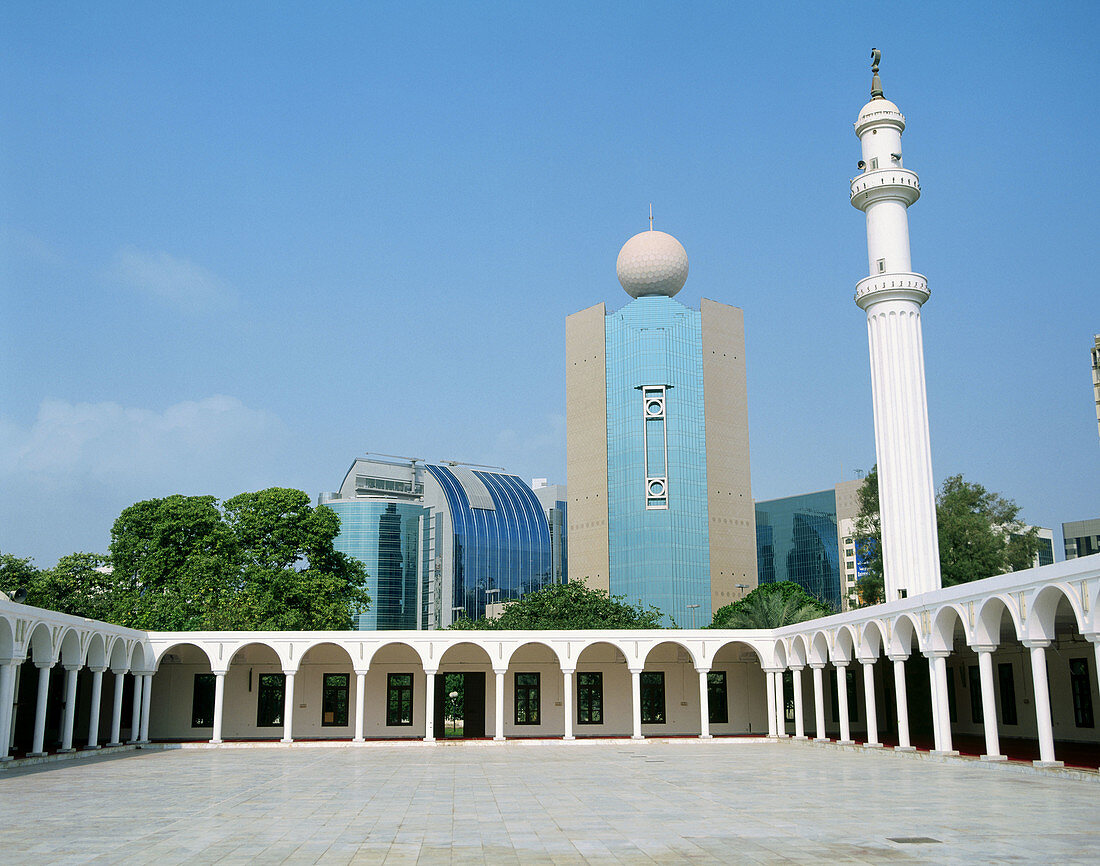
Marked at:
<point>385,537</point>
<point>796,540</point>
<point>501,552</point>
<point>656,458</point>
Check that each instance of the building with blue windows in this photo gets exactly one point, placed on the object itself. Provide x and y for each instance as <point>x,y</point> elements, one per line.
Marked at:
<point>660,502</point>
<point>442,541</point>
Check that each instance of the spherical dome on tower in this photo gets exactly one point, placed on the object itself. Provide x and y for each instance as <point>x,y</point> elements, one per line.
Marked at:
<point>652,263</point>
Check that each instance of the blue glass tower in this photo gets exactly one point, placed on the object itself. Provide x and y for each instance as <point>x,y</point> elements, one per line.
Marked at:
<point>660,503</point>
<point>797,540</point>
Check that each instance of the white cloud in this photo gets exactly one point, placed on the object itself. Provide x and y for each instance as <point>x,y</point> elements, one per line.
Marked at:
<point>65,477</point>
<point>180,282</point>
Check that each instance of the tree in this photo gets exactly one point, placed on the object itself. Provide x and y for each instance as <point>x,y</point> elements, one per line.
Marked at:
<point>871,586</point>
<point>16,573</point>
<point>268,563</point>
<point>980,533</point>
<point>771,605</point>
<point>568,606</point>
<point>291,576</point>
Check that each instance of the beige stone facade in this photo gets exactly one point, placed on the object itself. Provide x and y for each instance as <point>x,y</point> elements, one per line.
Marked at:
<point>586,447</point>
<point>731,517</point>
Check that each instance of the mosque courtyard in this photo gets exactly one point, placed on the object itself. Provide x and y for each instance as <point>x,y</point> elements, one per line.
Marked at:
<point>542,802</point>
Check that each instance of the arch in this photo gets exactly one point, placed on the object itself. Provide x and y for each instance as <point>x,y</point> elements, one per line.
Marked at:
<point>40,646</point>
<point>320,644</point>
<point>800,653</point>
<point>541,643</point>
<point>844,646</point>
<point>904,636</point>
<point>96,652</point>
<point>987,624</point>
<point>872,639</point>
<point>71,653</point>
<point>591,642</point>
<point>141,658</point>
<point>161,656</point>
<point>819,648</point>
<point>675,643</point>
<point>755,649</point>
<point>417,655</point>
<point>779,654</point>
<point>1039,624</point>
<point>7,639</point>
<point>454,650</point>
<point>233,657</point>
<point>118,654</point>
<point>943,628</point>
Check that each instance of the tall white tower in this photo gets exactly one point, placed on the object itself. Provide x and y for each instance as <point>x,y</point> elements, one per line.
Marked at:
<point>892,296</point>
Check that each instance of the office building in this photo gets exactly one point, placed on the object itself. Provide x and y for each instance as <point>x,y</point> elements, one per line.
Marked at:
<point>440,541</point>
<point>1096,377</point>
<point>808,539</point>
<point>660,504</point>
<point>1081,537</point>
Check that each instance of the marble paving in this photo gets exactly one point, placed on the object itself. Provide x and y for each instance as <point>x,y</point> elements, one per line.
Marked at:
<point>554,803</point>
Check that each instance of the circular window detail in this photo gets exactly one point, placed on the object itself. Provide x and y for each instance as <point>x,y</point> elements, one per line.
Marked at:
<point>654,408</point>
<point>656,487</point>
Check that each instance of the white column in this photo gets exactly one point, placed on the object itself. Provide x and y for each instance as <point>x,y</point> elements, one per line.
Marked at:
<point>93,712</point>
<point>771,702</point>
<point>704,704</point>
<point>219,707</point>
<point>799,721</point>
<point>869,699</point>
<point>636,701</point>
<point>934,692</point>
<point>429,706</point>
<point>567,704</point>
<point>360,705</point>
<point>135,711</point>
<point>819,703</point>
<point>40,710</point>
<point>146,704</point>
<point>1042,704</point>
<point>1096,646</point>
<point>780,706</point>
<point>68,716</point>
<point>288,708</point>
<point>842,702</point>
<point>989,705</point>
<point>498,730</point>
<point>7,681</point>
<point>945,707</point>
<point>902,699</point>
<point>116,710</point>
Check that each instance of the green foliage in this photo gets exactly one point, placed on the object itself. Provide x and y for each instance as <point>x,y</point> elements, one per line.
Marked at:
<point>871,587</point>
<point>980,533</point>
<point>568,606</point>
<point>771,605</point>
<point>180,564</point>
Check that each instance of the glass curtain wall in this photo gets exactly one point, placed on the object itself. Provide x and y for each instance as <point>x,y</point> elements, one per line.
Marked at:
<point>656,457</point>
<point>796,540</point>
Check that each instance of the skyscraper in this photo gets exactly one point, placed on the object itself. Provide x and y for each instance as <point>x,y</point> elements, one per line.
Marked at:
<point>660,505</point>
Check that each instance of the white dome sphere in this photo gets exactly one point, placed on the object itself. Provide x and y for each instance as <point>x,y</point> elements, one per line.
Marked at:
<point>652,263</point>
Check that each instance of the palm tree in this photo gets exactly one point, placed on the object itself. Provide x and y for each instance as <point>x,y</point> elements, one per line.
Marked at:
<point>771,605</point>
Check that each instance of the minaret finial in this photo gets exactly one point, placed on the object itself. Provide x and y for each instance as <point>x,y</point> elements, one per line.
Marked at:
<point>876,85</point>
<point>651,216</point>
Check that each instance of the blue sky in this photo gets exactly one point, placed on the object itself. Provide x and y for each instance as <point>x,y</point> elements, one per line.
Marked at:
<point>241,244</point>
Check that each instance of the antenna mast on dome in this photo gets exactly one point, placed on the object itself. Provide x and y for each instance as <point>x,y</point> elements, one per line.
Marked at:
<point>651,216</point>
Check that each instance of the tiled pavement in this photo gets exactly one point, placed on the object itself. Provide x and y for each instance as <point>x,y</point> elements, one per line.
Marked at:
<point>689,802</point>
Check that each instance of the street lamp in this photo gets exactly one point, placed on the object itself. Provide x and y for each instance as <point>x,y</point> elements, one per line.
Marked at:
<point>692,608</point>
<point>742,587</point>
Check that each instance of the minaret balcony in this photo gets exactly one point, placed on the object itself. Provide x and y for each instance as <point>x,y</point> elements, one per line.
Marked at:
<point>885,183</point>
<point>892,287</point>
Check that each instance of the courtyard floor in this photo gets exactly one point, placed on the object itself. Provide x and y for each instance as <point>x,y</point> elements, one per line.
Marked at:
<point>620,802</point>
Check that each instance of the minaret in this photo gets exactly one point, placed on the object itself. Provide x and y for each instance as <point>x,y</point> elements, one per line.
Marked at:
<point>892,296</point>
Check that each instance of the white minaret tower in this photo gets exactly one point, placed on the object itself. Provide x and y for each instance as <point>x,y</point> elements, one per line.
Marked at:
<point>892,296</point>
